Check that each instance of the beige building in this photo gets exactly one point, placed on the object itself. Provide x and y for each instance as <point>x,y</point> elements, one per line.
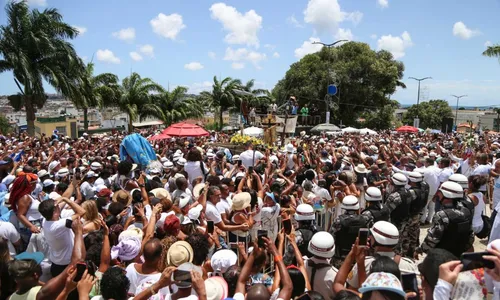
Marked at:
<point>66,125</point>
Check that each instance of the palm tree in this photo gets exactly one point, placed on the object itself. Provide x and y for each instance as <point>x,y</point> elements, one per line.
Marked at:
<point>222,95</point>
<point>174,106</point>
<point>97,91</point>
<point>34,47</point>
<point>134,95</point>
<point>492,51</point>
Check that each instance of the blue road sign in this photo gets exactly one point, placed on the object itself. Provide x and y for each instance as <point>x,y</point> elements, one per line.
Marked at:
<point>332,89</point>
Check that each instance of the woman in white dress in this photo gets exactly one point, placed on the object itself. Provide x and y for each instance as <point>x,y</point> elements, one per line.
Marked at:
<point>475,183</point>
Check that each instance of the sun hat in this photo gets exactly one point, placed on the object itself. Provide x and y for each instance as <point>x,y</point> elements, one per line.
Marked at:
<point>63,172</point>
<point>131,231</point>
<point>160,193</point>
<point>381,281</point>
<point>216,288</point>
<point>361,168</point>
<point>194,212</point>
<point>222,260</point>
<point>122,196</point>
<point>53,165</point>
<point>47,182</point>
<point>42,173</point>
<point>184,200</point>
<point>197,190</point>
<point>241,201</point>
<point>179,253</point>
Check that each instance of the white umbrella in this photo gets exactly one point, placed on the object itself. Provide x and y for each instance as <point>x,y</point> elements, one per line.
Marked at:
<point>253,131</point>
<point>350,130</point>
<point>368,131</point>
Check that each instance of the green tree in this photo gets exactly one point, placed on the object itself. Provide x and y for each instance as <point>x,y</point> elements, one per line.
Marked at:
<point>382,118</point>
<point>222,96</point>
<point>365,79</point>
<point>34,47</point>
<point>4,125</point>
<point>135,93</point>
<point>492,51</point>
<point>431,113</point>
<point>174,106</point>
<point>497,111</point>
<point>97,91</point>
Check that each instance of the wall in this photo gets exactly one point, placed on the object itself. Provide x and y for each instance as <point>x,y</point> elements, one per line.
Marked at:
<point>48,125</point>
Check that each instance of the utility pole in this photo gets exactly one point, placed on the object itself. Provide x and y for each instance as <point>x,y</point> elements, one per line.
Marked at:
<point>416,121</point>
<point>456,109</point>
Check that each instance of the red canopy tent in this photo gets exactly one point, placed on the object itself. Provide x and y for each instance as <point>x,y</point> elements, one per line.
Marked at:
<point>159,137</point>
<point>184,129</point>
<point>407,129</point>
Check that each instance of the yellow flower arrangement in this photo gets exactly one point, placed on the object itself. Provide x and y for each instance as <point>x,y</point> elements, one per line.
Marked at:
<point>239,139</point>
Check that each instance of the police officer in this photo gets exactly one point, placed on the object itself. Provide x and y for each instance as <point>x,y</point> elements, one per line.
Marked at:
<point>399,201</point>
<point>411,234</point>
<point>464,183</point>
<point>346,227</point>
<point>451,227</point>
<point>319,270</point>
<point>305,217</point>
<point>384,237</point>
<point>375,210</point>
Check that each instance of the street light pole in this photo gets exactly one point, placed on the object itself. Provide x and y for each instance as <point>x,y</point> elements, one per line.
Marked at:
<point>418,94</point>
<point>456,109</point>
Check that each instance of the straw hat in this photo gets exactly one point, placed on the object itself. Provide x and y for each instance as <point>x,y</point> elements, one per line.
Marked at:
<point>179,253</point>
<point>361,168</point>
<point>122,196</point>
<point>197,190</point>
<point>160,193</point>
<point>241,201</point>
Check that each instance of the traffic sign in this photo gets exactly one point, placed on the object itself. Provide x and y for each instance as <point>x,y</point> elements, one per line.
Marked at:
<point>332,89</point>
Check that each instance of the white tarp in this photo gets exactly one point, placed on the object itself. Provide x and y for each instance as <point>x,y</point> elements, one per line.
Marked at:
<point>291,124</point>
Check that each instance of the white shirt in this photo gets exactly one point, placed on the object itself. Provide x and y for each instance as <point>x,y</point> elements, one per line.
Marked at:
<point>482,170</point>
<point>496,191</point>
<point>135,277</point>
<point>60,240</point>
<point>323,278</point>
<point>247,158</point>
<point>445,174</point>
<point>224,206</point>
<point>9,233</point>
<point>477,220</point>
<point>87,190</point>
<point>194,170</point>
<point>212,214</point>
<point>431,178</point>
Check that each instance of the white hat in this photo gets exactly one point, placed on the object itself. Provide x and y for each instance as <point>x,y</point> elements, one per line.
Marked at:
<point>197,190</point>
<point>373,194</point>
<point>321,141</point>
<point>385,233</point>
<point>399,179</point>
<point>433,154</point>
<point>42,173</point>
<point>184,200</point>
<point>222,260</point>
<point>236,157</point>
<point>415,177</point>
<point>181,161</point>
<point>241,201</point>
<point>290,148</point>
<point>452,190</point>
<point>460,179</point>
<point>168,165</point>
<point>322,244</point>
<point>95,166</point>
<point>374,148</point>
<point>163,159</point>
<point>194,212</point>
<point>47,182</point>
<point>63,172</point>
<point>304,212</point>
<point>350,202</point>
<point>91,174</point>
<point>8,179</point>
<point>53,165</point>
<point>179,175</point>
<point>361,168</point>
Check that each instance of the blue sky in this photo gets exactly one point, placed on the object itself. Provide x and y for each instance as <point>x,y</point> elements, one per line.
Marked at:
<point>181,42</point>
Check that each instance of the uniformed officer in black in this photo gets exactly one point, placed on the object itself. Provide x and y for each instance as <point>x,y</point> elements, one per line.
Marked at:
<point>305,216</point>
<point>375,209</point>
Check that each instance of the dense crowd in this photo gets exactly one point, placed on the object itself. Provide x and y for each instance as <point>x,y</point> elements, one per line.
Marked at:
<point>325,217</point>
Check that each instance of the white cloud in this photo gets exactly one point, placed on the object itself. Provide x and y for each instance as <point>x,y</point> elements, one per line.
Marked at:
<point>126,34</point>
<point>108,56</point>
<point>276,55</point>
<point>242,28</point>
<point>461,31</point>
<point>199,87</point>
<point>308,47</point>
<point>135,56</point>
<point>167,26</point>
<point>81,30</point>
<point>270,47</point>
<point>488,44</point>
<point>383,3</point>
<point>237,65</point>
<point>212,55</point>
<point>193,66</point>
<point>395,44</point>
<point>37,2</point>
<point>326,15</point>
<point>294,22</point>
<point>373,36</point>
<point>243,54</point>
<point>147,50</point>
<point>344,34</point>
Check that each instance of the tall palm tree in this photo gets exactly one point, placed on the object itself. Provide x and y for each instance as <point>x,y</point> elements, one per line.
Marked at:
<point>34,46</point>
<point>492,51</point>
<point>174,106</point>
<point>222,95</point>
<point>97,91</point>
<point>135,93</point>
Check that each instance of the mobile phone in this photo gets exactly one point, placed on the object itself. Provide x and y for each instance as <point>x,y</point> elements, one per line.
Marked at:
<point>80,269</point>
<point>475,260</point>
<point>233,245</point>
<point>410,284</point>
<point>210,227</point>
<point>239,163</point>
<point>69,222</point>
<point>287,225</point>
<point>260,240</point>
<point>363,237</point>
<point>180,275</point>
<point>250,170</point>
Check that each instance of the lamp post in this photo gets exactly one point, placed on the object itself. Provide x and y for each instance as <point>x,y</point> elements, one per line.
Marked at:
<point>456,109</point>
<point>417,120</point>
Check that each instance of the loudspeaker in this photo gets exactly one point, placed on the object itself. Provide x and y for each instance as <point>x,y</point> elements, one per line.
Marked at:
<point>447,125</point>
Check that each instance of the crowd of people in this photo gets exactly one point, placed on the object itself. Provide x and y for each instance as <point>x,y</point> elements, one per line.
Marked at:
<point>325,217</point>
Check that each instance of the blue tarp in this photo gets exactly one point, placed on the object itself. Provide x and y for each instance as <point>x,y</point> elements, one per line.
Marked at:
<point>137,149</point>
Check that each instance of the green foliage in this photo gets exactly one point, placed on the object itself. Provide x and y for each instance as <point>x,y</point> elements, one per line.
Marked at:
<point>492,51</point>
<point>365,79</point>
<point>383,118</point>
<point>4,125</point>
<point>461,108</point>
<point>431,113</point>
<point>34,46</point>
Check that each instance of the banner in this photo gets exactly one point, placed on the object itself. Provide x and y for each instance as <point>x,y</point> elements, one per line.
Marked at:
<point>291,123</point>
